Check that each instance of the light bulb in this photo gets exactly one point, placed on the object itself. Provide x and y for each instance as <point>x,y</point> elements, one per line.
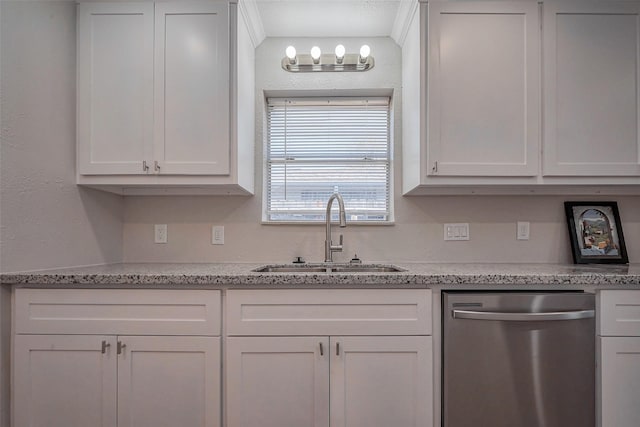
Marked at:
<point>315,54</point>
<point>340,51</point>
<point>365,50</point>
<point>291,53</point>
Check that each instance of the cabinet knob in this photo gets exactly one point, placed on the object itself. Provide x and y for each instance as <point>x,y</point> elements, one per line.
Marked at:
<point>145,166</point>
<point>156,166</point>
<point>105,345</point>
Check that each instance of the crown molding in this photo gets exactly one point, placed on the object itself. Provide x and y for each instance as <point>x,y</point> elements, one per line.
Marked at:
<point>401,24</point>
<point>249,11</point>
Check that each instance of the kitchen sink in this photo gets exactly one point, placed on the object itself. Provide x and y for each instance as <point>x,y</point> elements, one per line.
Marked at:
<point>329,268</point>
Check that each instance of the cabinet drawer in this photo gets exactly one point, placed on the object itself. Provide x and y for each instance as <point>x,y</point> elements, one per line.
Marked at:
<point>618,313</point>
<point>329,312</point>
<point>117,311</point>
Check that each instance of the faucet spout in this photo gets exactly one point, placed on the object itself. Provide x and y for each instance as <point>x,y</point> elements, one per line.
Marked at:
<point>329,247</point>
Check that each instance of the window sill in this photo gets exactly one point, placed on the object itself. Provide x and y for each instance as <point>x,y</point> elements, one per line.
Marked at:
<point>334,223</point>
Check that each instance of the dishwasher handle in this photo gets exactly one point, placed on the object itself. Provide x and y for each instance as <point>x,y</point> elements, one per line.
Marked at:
<point>523,317</point>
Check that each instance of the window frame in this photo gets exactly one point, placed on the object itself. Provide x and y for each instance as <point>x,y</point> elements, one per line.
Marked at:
<point>307,96</point>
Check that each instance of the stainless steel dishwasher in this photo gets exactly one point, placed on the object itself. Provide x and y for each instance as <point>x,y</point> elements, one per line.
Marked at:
<point>518,359</point>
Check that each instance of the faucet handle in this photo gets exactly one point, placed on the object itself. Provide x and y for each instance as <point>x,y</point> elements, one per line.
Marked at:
<point>338,247</point>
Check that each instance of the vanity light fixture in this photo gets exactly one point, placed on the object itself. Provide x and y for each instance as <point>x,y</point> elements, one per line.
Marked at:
<point>337,61</point>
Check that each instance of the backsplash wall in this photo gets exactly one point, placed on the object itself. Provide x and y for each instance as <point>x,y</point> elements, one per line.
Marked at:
<point>418,231</point>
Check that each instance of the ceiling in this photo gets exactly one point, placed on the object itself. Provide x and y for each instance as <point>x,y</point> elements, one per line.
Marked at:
<point>328,18</point>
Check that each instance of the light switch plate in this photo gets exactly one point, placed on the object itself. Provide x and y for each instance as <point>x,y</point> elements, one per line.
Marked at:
<point>458,231</point>
<point>522,232</point>
<point>217,235</point>
<point>160,231</point>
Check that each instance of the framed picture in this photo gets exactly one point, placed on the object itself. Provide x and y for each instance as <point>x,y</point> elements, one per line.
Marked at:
<point>596,233</point>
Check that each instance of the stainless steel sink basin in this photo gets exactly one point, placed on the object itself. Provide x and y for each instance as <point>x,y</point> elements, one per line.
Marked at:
<point>328,268</point>
<point>366,269</point>
<point>291,269</point>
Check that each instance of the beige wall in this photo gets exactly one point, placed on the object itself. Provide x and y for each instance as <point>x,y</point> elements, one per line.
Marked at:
<point>417,235</point>
<point>418,231</point>
<point>45,219</point>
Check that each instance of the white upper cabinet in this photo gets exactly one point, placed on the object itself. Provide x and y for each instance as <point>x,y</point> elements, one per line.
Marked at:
<point>192,88</point>
<point>483,89</point>
<point>158,103</point>
<point>521,97</point>
<point>591,93</point>
<point>115,87</point>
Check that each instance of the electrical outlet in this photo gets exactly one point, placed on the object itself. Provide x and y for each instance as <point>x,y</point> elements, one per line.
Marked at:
<point>217,235</point>
<point>160,233</point>
<point>458,231</point>
<point>522,232</point>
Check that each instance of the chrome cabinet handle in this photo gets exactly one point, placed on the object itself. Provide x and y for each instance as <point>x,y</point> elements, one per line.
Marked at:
<point>145,166</point>
<point>523,317</point>
<point>321,350</point>
<point>156,166</point>
<point>105,345</point>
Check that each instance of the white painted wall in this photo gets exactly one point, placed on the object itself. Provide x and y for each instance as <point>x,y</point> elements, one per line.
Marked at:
<point>418,232</point>
<point>46,221</point>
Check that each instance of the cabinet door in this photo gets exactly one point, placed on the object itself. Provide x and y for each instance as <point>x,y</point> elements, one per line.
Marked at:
<point>115,87</point>
<point>64,381</point>
<point>620,382</point>
<point>169,381</point>
<point>277,381</point>
<point>591,75</point>
<point>483,88</point>
<point>192,91</point>
<point>381,382</point>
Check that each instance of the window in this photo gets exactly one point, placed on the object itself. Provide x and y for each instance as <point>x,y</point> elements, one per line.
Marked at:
<point>318,146</point>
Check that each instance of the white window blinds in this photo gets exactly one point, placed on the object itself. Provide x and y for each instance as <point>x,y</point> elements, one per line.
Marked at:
<point>316,147</point>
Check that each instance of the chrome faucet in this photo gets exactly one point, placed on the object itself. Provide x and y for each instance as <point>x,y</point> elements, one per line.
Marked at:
<point>329,248</point>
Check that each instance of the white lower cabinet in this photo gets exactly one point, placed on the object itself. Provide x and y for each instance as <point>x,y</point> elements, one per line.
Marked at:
<point>64,380</point>
<point>277,381</point>
<point>329,381</point>
<point>106,378</point>
<point>381,381</point>
<point>298,373</point>
<point>620,381</point>
<point>154,381</point>
<point>169,381</point>
<point>619,358</point>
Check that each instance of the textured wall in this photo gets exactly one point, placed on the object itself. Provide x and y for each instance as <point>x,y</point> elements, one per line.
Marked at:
<point>45,219</point>
<point>418,231</point>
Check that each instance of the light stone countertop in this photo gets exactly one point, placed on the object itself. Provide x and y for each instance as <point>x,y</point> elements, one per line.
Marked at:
<point>415,275</point>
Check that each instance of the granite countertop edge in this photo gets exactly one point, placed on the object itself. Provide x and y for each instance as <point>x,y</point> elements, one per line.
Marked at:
<point>414,275</point>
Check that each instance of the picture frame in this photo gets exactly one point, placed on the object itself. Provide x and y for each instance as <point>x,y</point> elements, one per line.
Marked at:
<point>595,232</point>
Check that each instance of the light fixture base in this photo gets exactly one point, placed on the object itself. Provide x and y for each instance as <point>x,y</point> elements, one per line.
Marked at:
<point>304,63</point>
